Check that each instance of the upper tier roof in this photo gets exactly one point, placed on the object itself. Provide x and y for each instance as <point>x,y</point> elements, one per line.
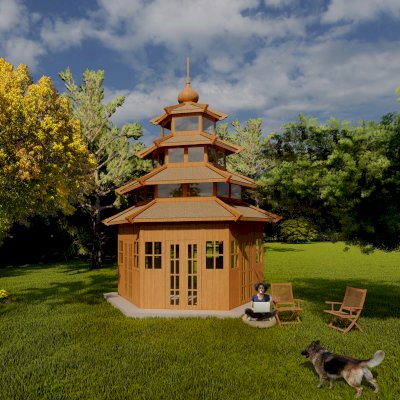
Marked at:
<point>173,140</point>
<point>187,108</point>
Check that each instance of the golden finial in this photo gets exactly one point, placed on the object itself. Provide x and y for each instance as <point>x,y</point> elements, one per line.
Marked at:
<point>188,94</point>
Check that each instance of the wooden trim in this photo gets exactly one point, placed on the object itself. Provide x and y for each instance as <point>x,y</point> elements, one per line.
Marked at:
<point>236,213</point>
<point>222,143</point>
<point>191,219</point>
<point>107,220</point>
<point>275,217</point>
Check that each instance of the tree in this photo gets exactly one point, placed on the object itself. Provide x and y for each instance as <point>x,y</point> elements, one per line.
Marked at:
<point>112,148</point>
<point>44,163</point>
<point>250,161</point>
<point>342,178</point>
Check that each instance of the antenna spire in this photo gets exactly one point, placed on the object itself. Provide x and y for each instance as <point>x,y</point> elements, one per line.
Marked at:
<point>187,70</point>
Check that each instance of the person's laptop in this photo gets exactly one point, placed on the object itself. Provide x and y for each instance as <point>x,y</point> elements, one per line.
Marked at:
<point>261,306</point>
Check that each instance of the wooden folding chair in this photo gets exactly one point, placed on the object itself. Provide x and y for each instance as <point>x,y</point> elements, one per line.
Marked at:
<point>348,310</point>
<point>285,304</point>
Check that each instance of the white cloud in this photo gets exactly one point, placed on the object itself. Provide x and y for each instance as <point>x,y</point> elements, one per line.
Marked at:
<point>15,44</point>
<point>19,50</point>
<point>12,15</point>
<point>360,10</point>
<point>60,35</point>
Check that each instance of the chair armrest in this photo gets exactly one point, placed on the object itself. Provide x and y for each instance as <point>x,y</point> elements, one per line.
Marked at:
<point>352,310</point>
<point>333,304</point>
<point>297,302</point>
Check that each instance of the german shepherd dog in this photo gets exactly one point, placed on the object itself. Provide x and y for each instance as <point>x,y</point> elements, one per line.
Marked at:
<point>333,366</point>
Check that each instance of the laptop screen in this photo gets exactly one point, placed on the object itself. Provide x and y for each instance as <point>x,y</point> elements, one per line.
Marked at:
<point>261,307</point>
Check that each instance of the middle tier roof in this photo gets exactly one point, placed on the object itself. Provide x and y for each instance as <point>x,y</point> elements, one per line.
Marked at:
<point>170,174</point>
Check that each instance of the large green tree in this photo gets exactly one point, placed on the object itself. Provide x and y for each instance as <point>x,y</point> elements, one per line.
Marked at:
<point>249,161</point>
<point>113,149</point>
<point>342,178</point>
<point>44,164</point>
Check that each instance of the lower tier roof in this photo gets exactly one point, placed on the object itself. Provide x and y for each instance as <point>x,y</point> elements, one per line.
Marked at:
<point>191,209</point>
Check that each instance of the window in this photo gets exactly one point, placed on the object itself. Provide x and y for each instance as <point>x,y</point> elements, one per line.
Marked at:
<point>174,274</point>
<point>149,192</point>
<point>223,189</point>
<point>186,124</point>
<point>221,159</point>
<point>195,154</point>
<point>208,126</point>
<point>136,254</point>
<point>192,274</point>
<point>236,192</point>
<point>204,189</point>
<point>152,255</point>
<point>216,157</point>
<point>159,160</point>
<point>234,253</point>
<point>170,190</point>
<point>176,155</point>
<point>214,255</point>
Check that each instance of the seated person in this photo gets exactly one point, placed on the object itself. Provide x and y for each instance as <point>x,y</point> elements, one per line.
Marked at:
<point>261,296</point>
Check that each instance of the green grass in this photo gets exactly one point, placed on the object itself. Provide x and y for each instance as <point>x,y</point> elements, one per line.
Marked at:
<point>59,339</point>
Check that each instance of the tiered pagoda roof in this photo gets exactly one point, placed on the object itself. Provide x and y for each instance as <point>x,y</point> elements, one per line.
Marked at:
<point>188,204</point>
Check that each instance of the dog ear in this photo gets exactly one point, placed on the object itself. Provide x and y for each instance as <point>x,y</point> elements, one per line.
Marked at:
<point>317,342</point>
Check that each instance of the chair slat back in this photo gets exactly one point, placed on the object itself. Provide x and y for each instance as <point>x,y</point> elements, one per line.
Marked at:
<point>354,297</point>
<point>282,293</point>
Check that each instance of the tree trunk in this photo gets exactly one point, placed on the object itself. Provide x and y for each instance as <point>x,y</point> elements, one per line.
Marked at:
<point>97,255</point>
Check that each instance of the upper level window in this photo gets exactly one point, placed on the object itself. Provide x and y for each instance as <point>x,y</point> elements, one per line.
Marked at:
<point>200,189</point>
<point>186,123</point>
<point>236,192</point>
<point>170,190</point>
<point>159,160</point>
<point>223,189</point>
<point>176,155</point>
<point>208,126</point>
<point>216,157</point>
<point>196,154</point>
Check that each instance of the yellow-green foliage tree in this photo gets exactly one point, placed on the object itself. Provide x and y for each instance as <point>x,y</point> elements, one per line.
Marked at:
<point>44,164</point>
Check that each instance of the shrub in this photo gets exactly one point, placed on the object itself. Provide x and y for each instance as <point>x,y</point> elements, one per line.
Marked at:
<point>4,294</point>
<point>297,231</point>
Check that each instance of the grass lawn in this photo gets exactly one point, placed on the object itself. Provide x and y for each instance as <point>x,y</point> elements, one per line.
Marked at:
<point>59,339</point>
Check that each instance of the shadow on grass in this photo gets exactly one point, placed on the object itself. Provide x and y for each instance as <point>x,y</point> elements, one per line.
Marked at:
<point>282,250</point>
<point>90,290</point>
<point>381,300</point>
<point>20,270</point>
<point>73,282</point>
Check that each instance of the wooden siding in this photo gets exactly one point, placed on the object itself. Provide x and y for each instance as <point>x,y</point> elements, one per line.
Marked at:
<point>217,289</point>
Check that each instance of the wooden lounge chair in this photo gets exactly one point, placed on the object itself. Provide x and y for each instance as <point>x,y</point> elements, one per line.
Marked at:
<point>348,311</point>
<point>285,305</point>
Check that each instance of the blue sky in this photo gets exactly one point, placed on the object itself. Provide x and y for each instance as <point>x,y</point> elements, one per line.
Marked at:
<point>271,59</point>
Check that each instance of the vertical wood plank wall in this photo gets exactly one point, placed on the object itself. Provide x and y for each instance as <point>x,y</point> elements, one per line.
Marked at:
<point>218,289</point>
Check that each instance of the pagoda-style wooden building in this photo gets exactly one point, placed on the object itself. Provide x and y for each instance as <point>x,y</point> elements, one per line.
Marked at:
<point>189,241</point>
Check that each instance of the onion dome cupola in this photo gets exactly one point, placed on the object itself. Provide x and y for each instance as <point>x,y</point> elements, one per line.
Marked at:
<point>188,94</point>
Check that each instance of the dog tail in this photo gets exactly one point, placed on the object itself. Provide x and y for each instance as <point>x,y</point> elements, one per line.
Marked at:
<point>375,360</point>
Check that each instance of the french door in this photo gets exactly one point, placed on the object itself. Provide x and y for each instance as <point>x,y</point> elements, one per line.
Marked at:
<point>184,275</point>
